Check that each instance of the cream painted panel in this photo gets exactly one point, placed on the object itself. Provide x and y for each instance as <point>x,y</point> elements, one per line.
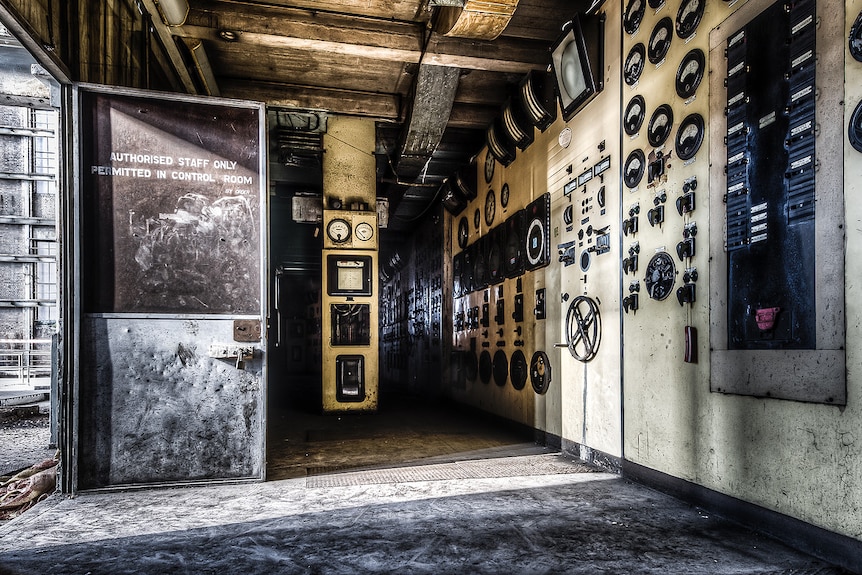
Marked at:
<point>661,389</point>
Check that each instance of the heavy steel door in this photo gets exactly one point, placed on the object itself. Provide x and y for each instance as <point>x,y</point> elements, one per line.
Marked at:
<point>170,208</point>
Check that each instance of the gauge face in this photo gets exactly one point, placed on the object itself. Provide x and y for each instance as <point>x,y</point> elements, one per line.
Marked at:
<point>689,16</point>
<point>477,218</point>
<point>490,162</point>
<point>504,196</point>
<point>540,372</point>
<point>518,369</point>
<point>500,368</point>
<point>364,231</point>
<point>633,118</point>
<point>535,242</point>
<point>338,230</point>
<point>689,136</point>
<point>633,170</point>
<point>634,64</point>
<point>634,15</point>
<point>660,276</point>
<point>660,125</point>
<point>690,73</point>
<point>463,232</point>
<point>490,207</point>
<point>659,40</point>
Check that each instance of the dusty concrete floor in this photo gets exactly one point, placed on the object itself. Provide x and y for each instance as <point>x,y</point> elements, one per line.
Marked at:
<point>353,505</point>
<point>25,436</point>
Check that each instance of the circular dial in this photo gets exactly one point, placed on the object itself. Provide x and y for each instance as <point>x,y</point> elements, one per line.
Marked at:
<point>490,162</point>
<point>490,207</point>
<point>633,170</point>
<point>633,118</point>
<point>495,262</point>
<point>659,40</point>
<point>689,136</point>
<point>660,275</point>
<point>688,17</point>
<point>855,38</point>
<point>485,366</point>
<point>500,368</point>
<point>463,232</point>
<point>518,369</point>
<point>634,64</point>
<point>477,218</point>
<point>535,242</point>
<point>504,196</point>
<point>480,268</point>
<point>364,231</point>
<point>660,125</point>
<point>540,372</point>
<point>338,230</point>
<point>472,367</point>
<point>690,73</point>
<point>633,16</point>
<point>457,275</point>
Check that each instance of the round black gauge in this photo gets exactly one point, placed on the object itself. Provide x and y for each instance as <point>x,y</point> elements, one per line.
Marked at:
<point>854,129</point>
<point>518,369</point>
<point>472,366</point>
<point>480,268</point>
<point>633,169</point>
<point>690,73</point>
<point>500,368</point>
<point>855,39</point>
<point>485,366</point>
<point>535,242</point>
<point>540,372</point>
<point>490,207</point>
<point>495,262</point>
<point>490,162</point>
<point>633,16</point>
<point>659,40</point>
<point>504,196</point>
<point>660,275</point>
<point>633,118</point>
<point>457,274</point>
<point>477,218</point>
<point>463,232</point>
<point>688,17</point>
<point>656,4</point>
<point>689,136</point>
<point>634,64</point>
<point>660,125</point>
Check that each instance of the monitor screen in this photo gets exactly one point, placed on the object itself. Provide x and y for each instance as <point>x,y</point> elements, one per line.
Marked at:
<point>577,62</point>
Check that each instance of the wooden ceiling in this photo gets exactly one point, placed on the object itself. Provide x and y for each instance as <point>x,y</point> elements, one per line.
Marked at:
<point>364,57</point>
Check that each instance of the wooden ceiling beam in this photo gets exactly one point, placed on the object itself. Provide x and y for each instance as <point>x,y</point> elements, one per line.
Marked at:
<point>385,107</point>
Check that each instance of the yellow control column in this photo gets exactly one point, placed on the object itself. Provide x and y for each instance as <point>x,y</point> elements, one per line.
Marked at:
<point>350,281</point>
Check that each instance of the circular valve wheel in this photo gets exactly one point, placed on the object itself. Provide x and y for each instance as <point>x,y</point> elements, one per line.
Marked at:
<point>583,328</point>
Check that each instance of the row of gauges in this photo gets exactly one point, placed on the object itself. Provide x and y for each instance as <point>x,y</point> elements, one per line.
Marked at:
<point>519,244</point>
<point>490,214</point>
<point>689,73</point>
<point>500,369</point>
<point>688,18</point>
<point>689,137</point>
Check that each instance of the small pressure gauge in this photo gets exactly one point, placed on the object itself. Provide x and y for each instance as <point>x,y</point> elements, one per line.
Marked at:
<point>463,232</point>
<point>364,231</point>
<point>338,230</point>
<point>490,163</point>
<point>504,196</point>
<point>634,64</point>
<point>660,276</point>
<point>688,17</point>
<point>690,73</point>
<point>633,16</point>
<point>659,40</point>
<point>490,207</point>
<point>660,125</point>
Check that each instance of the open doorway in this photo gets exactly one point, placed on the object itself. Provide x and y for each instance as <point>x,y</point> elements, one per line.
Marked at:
<point>29,286</point>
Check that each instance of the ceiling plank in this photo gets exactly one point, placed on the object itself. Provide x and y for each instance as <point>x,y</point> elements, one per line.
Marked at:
<point>367,104</point>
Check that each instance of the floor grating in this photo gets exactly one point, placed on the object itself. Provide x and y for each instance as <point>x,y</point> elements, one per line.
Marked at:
<point>552,464</point>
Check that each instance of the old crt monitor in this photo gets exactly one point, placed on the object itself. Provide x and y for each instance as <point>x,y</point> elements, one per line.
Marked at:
<point>577,59</point>
<point>348,275</point>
